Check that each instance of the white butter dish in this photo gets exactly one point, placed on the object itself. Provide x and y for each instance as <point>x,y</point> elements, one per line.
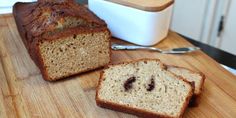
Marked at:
<point>143,22</point>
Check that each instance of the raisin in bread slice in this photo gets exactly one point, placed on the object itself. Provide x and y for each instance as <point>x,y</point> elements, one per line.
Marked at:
<point>196,78</point>
<point>63,38</point>
<point>143,88</point>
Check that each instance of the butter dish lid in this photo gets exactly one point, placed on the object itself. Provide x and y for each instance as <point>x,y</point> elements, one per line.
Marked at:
<point>146,5</point>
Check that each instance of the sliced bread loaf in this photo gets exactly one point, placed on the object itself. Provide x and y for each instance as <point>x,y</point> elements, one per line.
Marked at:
<point>196,78</point>
<point>143,88</point>
<point>63,38</point>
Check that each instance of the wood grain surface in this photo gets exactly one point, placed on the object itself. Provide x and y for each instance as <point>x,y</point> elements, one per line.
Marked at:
<point>25,94</point>
<point>146,5</point>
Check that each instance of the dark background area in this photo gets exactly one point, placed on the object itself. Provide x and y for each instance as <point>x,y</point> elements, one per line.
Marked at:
<point>220,56</point>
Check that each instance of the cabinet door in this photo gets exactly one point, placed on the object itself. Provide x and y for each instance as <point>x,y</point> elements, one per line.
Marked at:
<point>228,39</point>
<point>189,17</point>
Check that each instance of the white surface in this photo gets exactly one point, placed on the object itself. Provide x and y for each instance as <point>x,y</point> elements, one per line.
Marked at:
<point>220,10</point>
<point>208,21</point>
<point>133,25</point>
<point>5,10</point>
<point>228,40</point>
<point>233,71</point>
<point>6,5</point>
<point>199,20</point>
<point>189,17</point>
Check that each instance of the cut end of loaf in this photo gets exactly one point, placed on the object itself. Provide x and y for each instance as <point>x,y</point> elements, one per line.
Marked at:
<point>75,54</point>
<point>143,88</point>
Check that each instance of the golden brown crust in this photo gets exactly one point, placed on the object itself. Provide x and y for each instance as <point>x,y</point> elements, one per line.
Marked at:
<point>203,80</point>
<point>30,21</point>
<point>27,17</point>
<point>135,111</point>
<point>42,17</point>
<point>195,98</point>
<point>127,109</point>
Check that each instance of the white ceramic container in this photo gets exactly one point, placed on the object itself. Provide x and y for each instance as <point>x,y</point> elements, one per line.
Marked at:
<point>131,23</point>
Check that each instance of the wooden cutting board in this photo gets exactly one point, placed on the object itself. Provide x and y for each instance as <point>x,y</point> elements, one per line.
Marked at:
<point>25,94</point>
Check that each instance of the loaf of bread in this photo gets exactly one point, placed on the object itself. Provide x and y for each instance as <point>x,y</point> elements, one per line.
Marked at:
<point>63,38</point>
<point>143,88</point>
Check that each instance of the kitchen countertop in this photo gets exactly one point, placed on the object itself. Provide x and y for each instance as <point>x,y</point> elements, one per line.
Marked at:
<point>24,93</point>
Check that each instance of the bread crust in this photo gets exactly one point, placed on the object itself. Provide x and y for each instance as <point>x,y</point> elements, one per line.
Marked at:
<point>22,14</point>
<point>136,111</point>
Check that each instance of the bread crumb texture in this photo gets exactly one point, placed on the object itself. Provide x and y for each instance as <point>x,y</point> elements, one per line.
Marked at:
<point>154,89</point>
<point>190,76</point>
<point>76,53</point>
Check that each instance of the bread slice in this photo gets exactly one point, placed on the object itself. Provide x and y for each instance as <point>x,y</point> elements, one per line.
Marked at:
<point>196,78</point>
<point>143,88</point>
<point>63,38</point>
